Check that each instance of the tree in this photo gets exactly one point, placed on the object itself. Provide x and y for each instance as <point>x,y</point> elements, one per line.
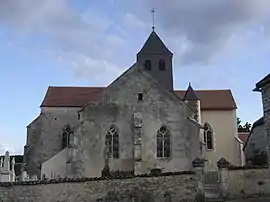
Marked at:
<point>243,128</point>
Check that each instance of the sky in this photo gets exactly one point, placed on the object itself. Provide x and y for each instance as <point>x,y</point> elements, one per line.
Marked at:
<point>217,44</point>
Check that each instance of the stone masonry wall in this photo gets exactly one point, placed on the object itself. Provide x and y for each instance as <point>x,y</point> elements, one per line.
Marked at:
<point>243,183</point>
<point>266,112</point>
<point>257,142</point>
<point>44,136</point>
<point>173,188</point>
<point>117,105</point>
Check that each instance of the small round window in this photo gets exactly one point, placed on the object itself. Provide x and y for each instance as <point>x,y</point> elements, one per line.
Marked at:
<point>147,65</point>
<point>161,65</point>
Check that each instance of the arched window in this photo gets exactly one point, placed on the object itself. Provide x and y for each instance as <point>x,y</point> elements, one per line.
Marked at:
<point>66,136</point>
<point>163,143</point>
<point>148,65</point>
<point>112,140</point>
<point>162,65</point>
<point>208,136</point>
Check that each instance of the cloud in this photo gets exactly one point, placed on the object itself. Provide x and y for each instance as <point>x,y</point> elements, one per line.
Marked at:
<point>9,142</point>
<point>206,25</point>
<point>197,32</point>
<point>65,31</point>
<point>132,22</point>
<point>98,72</point>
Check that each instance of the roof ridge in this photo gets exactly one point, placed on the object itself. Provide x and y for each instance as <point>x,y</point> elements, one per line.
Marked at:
<point>106,87</point>
<point>77,86</point>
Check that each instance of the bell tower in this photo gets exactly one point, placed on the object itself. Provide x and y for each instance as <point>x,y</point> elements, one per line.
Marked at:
<point>156,58</point>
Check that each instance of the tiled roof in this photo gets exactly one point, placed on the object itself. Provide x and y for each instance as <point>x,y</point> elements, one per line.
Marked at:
<point>243,137</point>
<point>80,96</point>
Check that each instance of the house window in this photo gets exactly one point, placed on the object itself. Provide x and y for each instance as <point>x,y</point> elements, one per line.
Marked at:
<point>112,142</point>
<point>66,136</point>
<point>163,143</point>
<point>162,65</point>
<point>148,65</point>
<point>208,136</point>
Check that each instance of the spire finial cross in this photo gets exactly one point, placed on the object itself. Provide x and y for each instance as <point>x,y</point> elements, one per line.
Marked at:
<point>153,18</point>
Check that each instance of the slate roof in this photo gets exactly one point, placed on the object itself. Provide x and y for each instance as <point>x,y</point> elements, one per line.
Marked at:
<point>80,96</point>
<point>154,45</point>
<point>190,94</point>
<point>262,82</point>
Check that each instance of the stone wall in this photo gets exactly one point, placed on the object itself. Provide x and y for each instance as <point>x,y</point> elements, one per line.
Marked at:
<point>44,136</point>
<point>266,112</point>
<point>179,187</point>
<point>117,105</point>
<point>256,144</point>
<point>246,182</point>
<point>56,166</point>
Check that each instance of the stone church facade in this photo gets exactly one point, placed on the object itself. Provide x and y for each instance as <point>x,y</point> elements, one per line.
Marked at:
<point>137,123</point>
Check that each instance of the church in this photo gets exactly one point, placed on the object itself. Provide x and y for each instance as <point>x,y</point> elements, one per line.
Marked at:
<point>137,123</point>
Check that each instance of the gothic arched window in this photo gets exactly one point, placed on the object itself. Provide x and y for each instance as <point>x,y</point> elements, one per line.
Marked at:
<point>163,143</point>
<point>148,65</point>
<point>66,136</point>
<point>112,140</point>
<point>208,136</point>
<point>161,65</point>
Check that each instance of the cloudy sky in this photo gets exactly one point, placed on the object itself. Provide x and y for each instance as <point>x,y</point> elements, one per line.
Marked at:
<point>217,44</point>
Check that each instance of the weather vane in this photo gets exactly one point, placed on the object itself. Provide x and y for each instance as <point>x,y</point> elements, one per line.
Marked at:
<point>153,18</point>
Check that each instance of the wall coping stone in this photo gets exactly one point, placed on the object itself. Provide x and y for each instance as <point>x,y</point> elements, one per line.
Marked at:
<point>247,167</point>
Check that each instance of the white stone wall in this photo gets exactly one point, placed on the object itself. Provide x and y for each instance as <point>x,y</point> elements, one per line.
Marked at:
<point>56,166</point>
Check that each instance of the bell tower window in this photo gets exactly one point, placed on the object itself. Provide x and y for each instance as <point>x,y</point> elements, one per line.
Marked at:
<point>148,65</point>
<point>161,65</point>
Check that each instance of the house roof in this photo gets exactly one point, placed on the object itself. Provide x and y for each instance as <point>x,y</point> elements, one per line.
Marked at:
<point>80,96</point>
<point>262,82</point>
<point>243,137</point>
<point>154,45</point>
<point>190,94</point>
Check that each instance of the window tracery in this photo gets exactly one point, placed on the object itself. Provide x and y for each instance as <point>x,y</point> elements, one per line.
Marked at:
<point>112,140</point>
<point>208,136</point>
<point>163,143</point>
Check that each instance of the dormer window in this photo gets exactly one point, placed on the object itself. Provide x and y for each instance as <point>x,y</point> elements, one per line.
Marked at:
<point>161,65</point>
<point>148,65</point>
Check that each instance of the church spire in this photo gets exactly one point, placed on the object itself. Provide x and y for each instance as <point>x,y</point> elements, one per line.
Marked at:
<point>154,45</point>
<point>190,94</point>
